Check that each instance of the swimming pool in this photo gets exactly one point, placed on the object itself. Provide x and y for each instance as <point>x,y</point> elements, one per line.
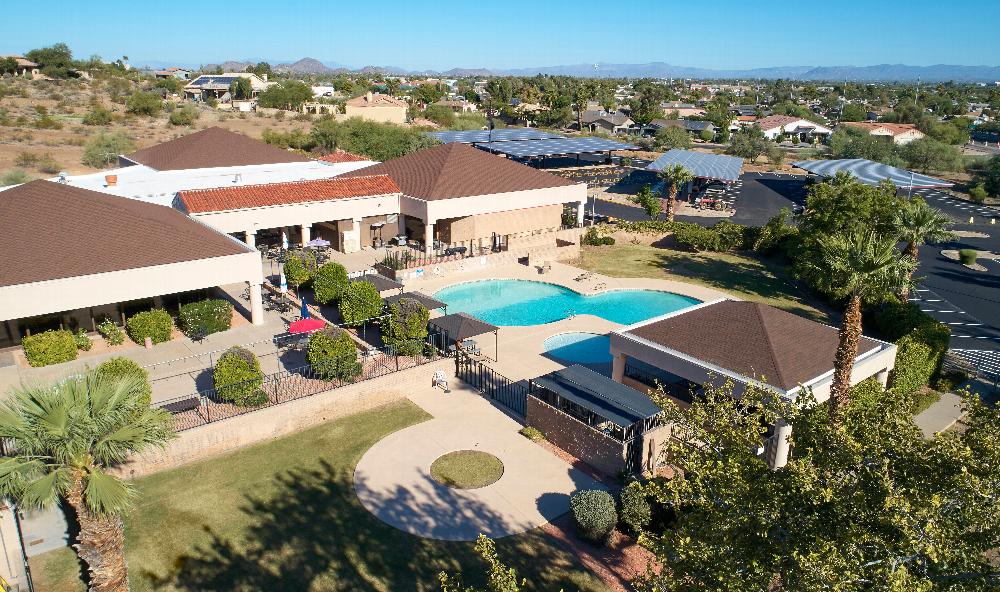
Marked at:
<point>522,302</point>
<point>579,348</point>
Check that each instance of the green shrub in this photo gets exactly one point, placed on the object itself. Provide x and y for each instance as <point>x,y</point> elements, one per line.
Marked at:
<point>967,256</point>
<point>332,354</point>
<point>155,324</point>
<point>947,382</point>
<point>103,149</point>
<point>144,103</point>
<point>608,240</point>
<point>119,367</point>
<point>238,378</point>
<point>533,434</point>
<point>361,302</point>
<point>97,115</point>
<point>111,332</point>
<point>648,226</point>
<point>205,317</point>
<point>186,115</point>
<point>696,238</point>
<point>978,193</point>
<point>330,282</point>
<point>299,268</point>
<point>49,347</point>
<point>591,237</point>
<point>405,329</point>
<point>81,340</point>
<point>921,341</point>
<point>594,514</point>
<point>14,177</point>
<point>635,509</point>
<point>732,237</point>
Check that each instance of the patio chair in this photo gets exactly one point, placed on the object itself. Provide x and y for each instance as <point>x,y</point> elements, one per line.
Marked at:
<point>440,379</point>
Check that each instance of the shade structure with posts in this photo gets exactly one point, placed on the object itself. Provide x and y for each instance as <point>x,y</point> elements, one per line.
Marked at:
<point>428,302</point>
<point>455,328</point>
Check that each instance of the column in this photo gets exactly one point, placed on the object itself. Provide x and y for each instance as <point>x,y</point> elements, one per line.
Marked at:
<point>356,229</point>
<point>256,305</point>
<point>306,233</point>
<point>429,238</point>
<point>618,368</point>
<point>580,211</point>
<point>777,447</point>
<point>883,377</point>
<point>251,239</point>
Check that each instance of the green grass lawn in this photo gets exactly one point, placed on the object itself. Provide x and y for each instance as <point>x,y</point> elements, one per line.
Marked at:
<point>745,277</point>
<point>283,516</point>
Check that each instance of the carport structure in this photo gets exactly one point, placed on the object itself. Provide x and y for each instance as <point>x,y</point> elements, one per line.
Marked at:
<point>538,149</point>
<point>870,172</point>
<point>708,167</point>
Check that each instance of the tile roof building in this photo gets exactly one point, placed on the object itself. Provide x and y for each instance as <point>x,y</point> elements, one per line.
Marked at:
<point>99,250</point>
<point>899,133</point>
<point>777,126</point>
<point>377,107</point>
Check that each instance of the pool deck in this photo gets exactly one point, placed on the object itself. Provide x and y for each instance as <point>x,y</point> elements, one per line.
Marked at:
<point>521,352</point>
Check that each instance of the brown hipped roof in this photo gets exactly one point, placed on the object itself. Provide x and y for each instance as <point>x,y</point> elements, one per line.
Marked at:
<point>211,147</point>
<point>51,231</point>
<point>275,194</point>
<point>753,340</point>
<point>459,170</point>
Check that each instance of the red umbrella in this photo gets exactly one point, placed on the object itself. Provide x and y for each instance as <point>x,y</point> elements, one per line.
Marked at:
<point>306,326</point>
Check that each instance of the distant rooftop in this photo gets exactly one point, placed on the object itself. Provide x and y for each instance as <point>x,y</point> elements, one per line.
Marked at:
<point>275,194</point>
<point>209,148</point>
<point>871,173</point>
<point>506,134</point>
<point>555,147</point>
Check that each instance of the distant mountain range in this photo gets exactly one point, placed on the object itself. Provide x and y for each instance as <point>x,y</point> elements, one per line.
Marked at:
<point>881,72</point>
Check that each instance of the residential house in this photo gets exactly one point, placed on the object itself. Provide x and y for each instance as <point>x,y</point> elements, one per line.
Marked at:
<point>692,126</point>
<point>682,109</point>
<point>178,73</point>
<point>458,105</point>
<point>24,66</point>
<point>777,127</point>
<point>216,86</point>
<point>899,133</point>
<point>377,107</point>
<point>600,120</point>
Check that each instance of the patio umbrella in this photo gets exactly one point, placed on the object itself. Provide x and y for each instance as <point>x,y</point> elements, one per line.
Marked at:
<point>306,326</point>
<point>318,242</point>
<point>305,309</point>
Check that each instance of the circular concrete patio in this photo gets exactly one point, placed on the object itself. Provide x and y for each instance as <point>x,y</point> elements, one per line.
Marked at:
<point>393,479</point>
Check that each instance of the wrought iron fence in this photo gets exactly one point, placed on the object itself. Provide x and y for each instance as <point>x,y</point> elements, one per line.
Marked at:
<point>491,384</point>
<point>208,406</point>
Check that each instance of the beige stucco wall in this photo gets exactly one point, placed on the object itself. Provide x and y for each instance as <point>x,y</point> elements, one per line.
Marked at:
<point>379,113</point>
<point>300,213</point>
<point>509,222</point>
<point>37,298</point>
<point>459,207</point>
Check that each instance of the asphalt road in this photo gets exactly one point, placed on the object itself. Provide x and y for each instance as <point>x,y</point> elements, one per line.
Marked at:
<point>967,301</point>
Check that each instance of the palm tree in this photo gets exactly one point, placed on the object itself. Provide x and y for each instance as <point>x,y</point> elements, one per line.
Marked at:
<point>62,440</point>
<point>861,266</point>
<point>920,224</point>
<point>674,177</point>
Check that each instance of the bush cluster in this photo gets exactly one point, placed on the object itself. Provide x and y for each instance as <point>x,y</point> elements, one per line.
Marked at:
<point>332,354</point>
<point>205,317</point>
<point>81,340</point>
<point>922,343</point>
<point>238,378</point>
<point>120,367</point>
<point>299,268</point>
<point>594,514</point>
<point>111,332</point>
<point>49,347</point>
<point>725,236</point>
<point>405,329</point>
<point>156,324</point>
<point>185,115</point>
<point>635,509</point>
<point>330,282</point>
<point>361,301</point>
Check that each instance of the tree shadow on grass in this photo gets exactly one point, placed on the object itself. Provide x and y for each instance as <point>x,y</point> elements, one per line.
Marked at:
<point>313,534</point>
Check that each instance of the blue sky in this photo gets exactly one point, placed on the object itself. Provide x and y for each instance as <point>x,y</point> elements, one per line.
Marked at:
<point>444,33</point>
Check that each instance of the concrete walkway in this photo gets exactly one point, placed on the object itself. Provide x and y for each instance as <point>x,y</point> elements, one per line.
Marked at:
<point>393,480</point>
<point>940,416</point>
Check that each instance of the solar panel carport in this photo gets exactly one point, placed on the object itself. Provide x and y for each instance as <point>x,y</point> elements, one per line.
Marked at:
<point>716,167</point>
<point>870,172</point>
<point>554,147</point>
<point>507,134</point>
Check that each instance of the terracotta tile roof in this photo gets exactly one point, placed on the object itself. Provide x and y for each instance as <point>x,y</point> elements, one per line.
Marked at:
<point>342,156</point>
<point>276,194</point>
<point>212,147</point>
<point>773,121</point>
<point>50,231</point>
<point>893,128</point>
<point>753,340</point>
<point>750,118</point>
<point>459,170</point>
<point>375,100</point>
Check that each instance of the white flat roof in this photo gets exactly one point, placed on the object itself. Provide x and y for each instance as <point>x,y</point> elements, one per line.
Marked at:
<point>149,185</point>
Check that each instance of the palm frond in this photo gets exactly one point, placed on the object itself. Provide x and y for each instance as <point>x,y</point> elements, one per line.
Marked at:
<point>105,494</point>
<point>150,429</point>
<point>862,263</point>
<point>45,491</point>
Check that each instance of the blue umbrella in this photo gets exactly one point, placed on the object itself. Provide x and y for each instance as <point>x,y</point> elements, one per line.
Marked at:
<point>305,309</point>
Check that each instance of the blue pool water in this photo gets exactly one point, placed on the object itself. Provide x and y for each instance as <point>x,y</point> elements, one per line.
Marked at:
<point>519,302</point>
<point>579,348</point>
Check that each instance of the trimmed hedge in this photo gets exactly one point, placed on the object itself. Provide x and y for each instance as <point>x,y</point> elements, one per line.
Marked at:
<point>594,514</point>
<point>635,509</point>
<point>155,324</point>
<point>238,378</point>
<point>967,256</point>
<point>332,354</point>
<point>49,347</point>
<point>330,282</point>
<point>123,367</point>
<point>922,343</point>
<point>361,301</point>
<point>205,317</point>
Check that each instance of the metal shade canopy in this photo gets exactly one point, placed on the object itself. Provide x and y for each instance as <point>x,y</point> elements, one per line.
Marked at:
<point>595,392</point>
<point>705,166</point>
<point>870,172</point>
<point>506,134</point>
<point>554,147</point>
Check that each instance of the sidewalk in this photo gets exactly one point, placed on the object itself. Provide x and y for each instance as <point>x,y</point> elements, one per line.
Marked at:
<point>940,416</point>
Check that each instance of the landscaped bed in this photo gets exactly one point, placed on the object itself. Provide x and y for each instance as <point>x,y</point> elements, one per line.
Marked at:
<point>284,516</point>
<point>467,469</point>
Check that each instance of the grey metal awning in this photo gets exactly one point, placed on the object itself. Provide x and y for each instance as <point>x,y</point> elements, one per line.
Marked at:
<point>460,326</point>
<point>702,165</point>
<point>506,134</point>
<point>427,301</point>
<point>615,402</point>
<point>870,172</point>
<point>554,147</point>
